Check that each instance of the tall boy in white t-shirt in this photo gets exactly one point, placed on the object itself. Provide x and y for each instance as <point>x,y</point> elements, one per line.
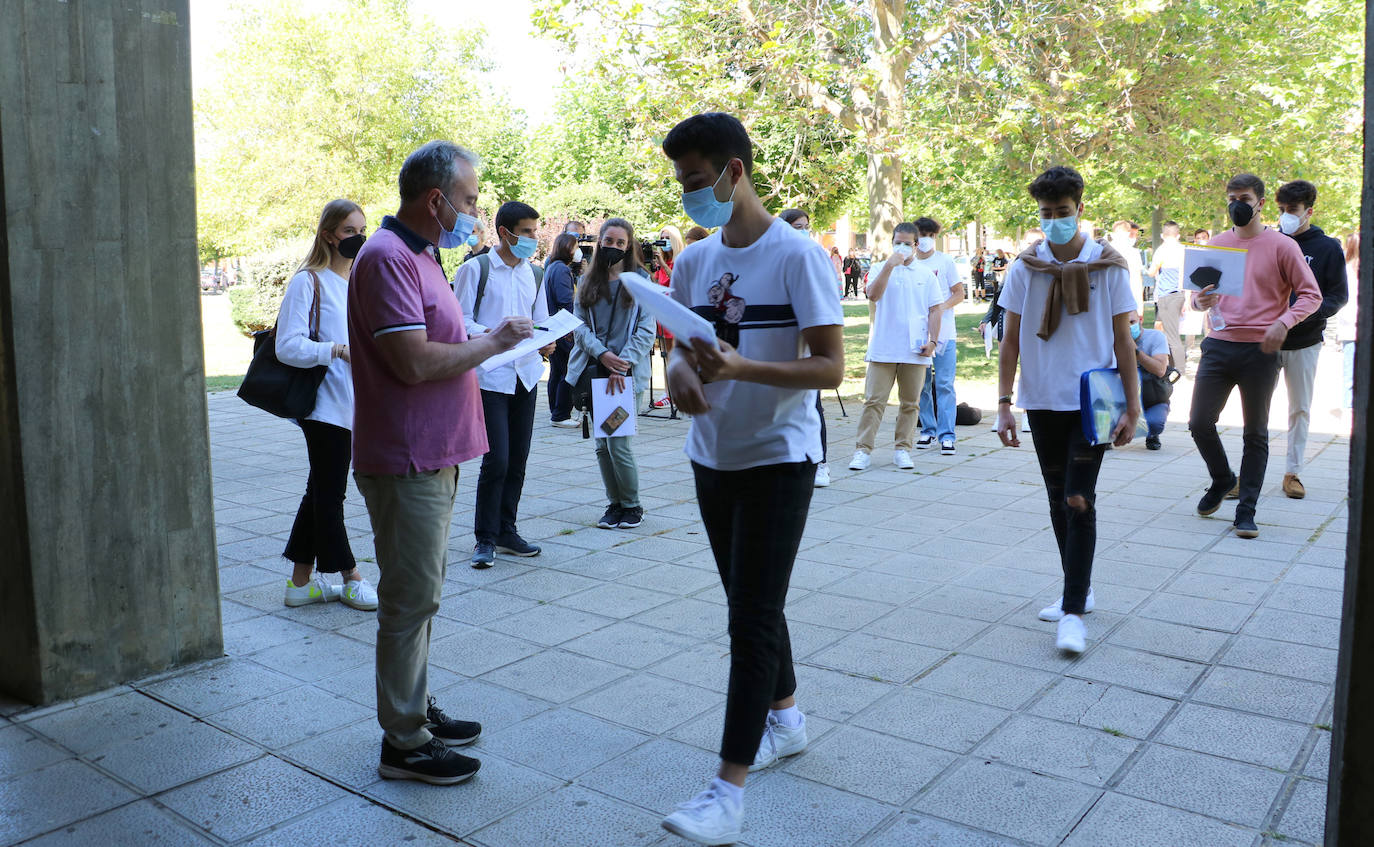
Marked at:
<point>907,307</point>
<point>938,399</point>
<point>1069,308</point>
<point>754,440</point>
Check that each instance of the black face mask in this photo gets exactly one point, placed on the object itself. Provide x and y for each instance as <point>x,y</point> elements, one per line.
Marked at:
<point>609,256</point>
<point>1240,212</point>
<point>349,247</point>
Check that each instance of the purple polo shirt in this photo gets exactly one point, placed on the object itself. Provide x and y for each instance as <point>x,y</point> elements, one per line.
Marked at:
<point>398,285</point>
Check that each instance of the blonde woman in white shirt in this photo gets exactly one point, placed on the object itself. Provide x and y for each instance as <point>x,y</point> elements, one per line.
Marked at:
<point>319,539</point>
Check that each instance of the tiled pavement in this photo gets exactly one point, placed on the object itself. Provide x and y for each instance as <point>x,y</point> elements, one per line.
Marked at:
<point>940,712</point>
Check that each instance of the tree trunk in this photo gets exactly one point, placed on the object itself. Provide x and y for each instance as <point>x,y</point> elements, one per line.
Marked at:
<point>884,195</point>
<point>1156,226</point>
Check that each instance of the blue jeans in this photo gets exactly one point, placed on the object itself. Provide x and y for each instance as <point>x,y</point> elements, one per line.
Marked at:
<point>1348,354</point>
<point>937,396</point>
<point>1155,416</point>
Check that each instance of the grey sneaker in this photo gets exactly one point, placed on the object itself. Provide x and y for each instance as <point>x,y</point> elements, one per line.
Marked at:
<point>483,554</point>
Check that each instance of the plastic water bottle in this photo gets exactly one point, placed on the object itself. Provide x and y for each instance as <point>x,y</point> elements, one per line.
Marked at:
<point>1215,319</point>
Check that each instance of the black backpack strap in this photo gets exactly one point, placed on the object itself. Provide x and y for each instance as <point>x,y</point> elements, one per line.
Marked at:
<point>484,271</point>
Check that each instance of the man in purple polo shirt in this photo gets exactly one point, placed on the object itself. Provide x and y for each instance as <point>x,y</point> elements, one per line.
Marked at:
<point>418,414</point>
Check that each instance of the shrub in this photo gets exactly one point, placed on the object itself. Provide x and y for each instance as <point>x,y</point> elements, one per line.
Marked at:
<point>254,302</point>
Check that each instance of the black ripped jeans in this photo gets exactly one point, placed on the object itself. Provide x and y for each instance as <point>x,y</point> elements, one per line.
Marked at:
<point>754,520</point>
<point>1069,465</point>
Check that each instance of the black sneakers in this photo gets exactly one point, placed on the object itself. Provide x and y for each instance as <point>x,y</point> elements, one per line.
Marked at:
<point>1212,497</point>
<point>611,519</point>
<point>1245,527</point>
<point>631,518</point>
<point>483,554</point>
<point>451,732</point>
<point>516,546</point>
<point>433,763</point>
<point>1152,442</point>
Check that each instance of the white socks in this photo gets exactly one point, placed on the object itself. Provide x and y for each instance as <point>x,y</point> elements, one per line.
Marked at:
<point>729,789</point>
<point>791,717</point>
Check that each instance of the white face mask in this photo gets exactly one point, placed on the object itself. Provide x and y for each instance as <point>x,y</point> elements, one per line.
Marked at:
<point>901,249</point>
<point>925,244</point>
<point>577,255</point>
<point>1289,224</point>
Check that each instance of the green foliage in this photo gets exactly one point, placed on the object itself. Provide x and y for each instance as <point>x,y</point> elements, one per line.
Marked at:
<point>255,301</point>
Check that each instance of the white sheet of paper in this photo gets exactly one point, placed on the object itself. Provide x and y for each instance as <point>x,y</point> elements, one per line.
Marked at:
<point>988,331</point>
<point>555,328</point>
<point>604,404</point>
<point>1229,260</point>
<point>681,321</point>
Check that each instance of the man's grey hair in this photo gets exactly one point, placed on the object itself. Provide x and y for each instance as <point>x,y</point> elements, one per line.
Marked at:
<point>434,165</point>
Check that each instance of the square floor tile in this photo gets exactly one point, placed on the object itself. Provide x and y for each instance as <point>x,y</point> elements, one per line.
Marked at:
<point>549,624</point>
<point>1305,817</point>
<point>141,823</point>
<point>834,695</point>
<point>920,831</point>
<point>173,756</point>
<point>649,703</point>
<point>1169,639</point>
<point>1032,648</point>
<point>1235,735</point>
<point>563,742</point>
<point>1282,658</point>
<point>655,776</point>
<point>985,681</point>
<point>877,658</point>
<point>476,651</point>
<point>1147,672</point>
<point>573,817</point>
<point>1118,821</point>
<point>1008,801</point>
<point>931,629</point>
<point>784,811</point>
<point>353,822</point>
<point>1045,746</point>
<point>221,685</point>
<point>21,750</point>
<point>499,787</point>
<point>250,798</point>
<point>1097,705</point>
<point>40,800</point>
<point>932,719</point>
<point>99,723</point>
<point>1267,694</point>
<point>554,675</point>
<point>284,718</point>
<point>1218,788</point>
<point>863,762</point>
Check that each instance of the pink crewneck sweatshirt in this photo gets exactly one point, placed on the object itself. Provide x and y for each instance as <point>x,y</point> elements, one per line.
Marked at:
<point>1274,271</point>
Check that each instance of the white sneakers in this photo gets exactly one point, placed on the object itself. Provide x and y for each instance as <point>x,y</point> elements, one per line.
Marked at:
<point>1073,636</point>
<point>860,461</point>
<point>822,475</point>
<point>317,590</point>
<point>1056,611</point>
<point>359,594</point>
<point>925,442</point>
<point>902,459</point>
<point>356,593</point>
<point>711,817</point>
<point>779,742</point>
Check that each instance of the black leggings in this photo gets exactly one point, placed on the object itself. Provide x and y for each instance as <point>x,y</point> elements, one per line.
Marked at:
<point>825,448</point>
<point>319,535</point>
<point>1069,465</point>
<point>754,519</point>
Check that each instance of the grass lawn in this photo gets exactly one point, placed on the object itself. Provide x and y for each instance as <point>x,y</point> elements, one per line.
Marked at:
<point>973,366</point>
<point>227,351</point>
<point>223,383</point>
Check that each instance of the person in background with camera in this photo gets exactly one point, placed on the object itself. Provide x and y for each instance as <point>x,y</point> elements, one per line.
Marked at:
<point>662,273</point>
<point>509,391</point>
<point>801,222</point>
<point>319,539</point>
<point>558,291</point>
<point>477,241</point>
<point>613,341</point>
<point>1152,359</point>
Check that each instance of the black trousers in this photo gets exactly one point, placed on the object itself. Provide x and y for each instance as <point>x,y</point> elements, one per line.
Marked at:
<point>851,286</point>
<point>754,520</point>
<point>825,448</point>
<point>510,422</point>
<point>1069,466</point>
<point>1226,365</point>
<point>318,534</point>
<point>560,393</point>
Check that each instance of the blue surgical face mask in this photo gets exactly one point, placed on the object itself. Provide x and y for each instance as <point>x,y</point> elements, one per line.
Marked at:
<point>473,240</point>
<point>463,226</point>
<point>1060,230</point>
<point>1135,331</point>
<point>703,207</point>
<point>524,247</point>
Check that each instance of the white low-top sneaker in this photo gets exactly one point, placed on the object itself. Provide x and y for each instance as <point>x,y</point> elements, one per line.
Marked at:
<point>860,461</point>
<point>317,590</point>
<point>1054,612</point>
<point>779,742</point>
<point>1073,636</point>
<point>708,818</point>
<point>902,459</point>
<point>822,475</point>
<point>359,594</point>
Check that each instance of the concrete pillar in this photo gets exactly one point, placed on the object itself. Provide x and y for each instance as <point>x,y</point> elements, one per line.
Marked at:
<point>1350,785</point>
<point>107,548</point>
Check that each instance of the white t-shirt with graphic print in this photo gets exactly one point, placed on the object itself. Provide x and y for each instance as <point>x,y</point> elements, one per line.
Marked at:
<point>1051,370</point>
<point>787,284</point>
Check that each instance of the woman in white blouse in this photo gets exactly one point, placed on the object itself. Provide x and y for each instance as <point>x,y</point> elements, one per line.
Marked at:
<point>319,540</point>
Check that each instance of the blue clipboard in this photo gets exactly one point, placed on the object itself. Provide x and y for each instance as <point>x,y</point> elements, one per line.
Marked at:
<point>1102,402</point>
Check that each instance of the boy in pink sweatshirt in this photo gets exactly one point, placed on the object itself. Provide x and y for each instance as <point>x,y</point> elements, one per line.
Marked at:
<point>1280,291</point>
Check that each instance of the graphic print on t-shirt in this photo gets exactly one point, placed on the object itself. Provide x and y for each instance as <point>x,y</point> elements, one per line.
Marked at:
<point>730,313</point>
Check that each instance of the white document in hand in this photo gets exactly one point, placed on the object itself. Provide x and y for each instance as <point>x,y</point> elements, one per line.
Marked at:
<point>613,415</point>
<point>1223,266</point>
<point>670,314</point>
<point>555,328</point>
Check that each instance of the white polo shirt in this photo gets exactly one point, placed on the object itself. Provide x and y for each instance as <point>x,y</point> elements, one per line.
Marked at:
<point>901,317</point>
<point>947,274</point>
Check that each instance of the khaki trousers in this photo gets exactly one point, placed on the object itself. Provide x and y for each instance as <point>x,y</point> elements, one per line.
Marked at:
<point>410,521</point>
<point>1169,310</point>
<point>910,380</point>
<point>1299,374</point>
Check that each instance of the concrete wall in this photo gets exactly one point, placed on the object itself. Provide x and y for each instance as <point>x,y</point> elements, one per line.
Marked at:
<point>107,551</point>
